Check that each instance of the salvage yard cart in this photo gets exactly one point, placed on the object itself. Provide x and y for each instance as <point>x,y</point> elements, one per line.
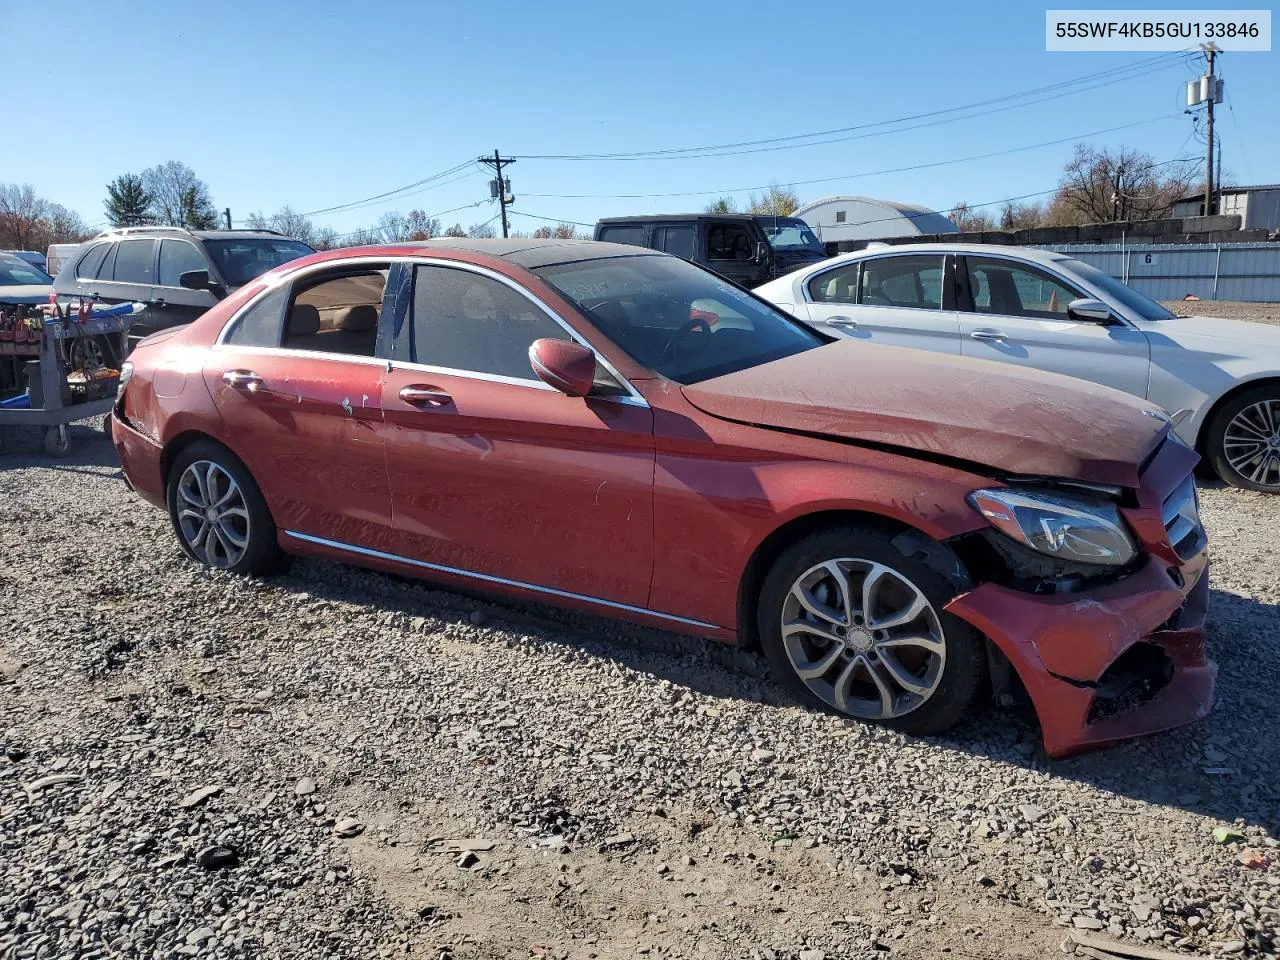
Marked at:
<point>68,358</point>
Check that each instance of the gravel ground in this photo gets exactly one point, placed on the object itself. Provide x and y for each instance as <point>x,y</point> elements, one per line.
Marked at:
<point>339,763</point>
<point>1231,309</point>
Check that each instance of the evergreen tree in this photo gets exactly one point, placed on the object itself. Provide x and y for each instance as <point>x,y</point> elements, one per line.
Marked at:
<point>128,201</point>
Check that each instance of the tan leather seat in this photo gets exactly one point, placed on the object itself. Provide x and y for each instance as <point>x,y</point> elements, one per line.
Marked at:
<point>304,324</point>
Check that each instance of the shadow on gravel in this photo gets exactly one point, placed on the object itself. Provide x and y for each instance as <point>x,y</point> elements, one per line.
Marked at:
<point>1222,767</point>
<point>22,448</point>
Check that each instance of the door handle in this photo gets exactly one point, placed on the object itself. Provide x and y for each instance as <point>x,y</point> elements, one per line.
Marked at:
<point>245,380</point>
<point>158,302</point>
<point>994,335</point>
<point>847,322</point>
<point>420,395</point>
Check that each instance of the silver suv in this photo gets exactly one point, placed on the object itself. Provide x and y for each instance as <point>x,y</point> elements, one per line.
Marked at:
<point>177,273</point>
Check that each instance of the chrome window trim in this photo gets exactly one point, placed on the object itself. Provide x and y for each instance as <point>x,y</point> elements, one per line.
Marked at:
<point>863,260</point>
<point>632,396</point>
<point>490,578</point>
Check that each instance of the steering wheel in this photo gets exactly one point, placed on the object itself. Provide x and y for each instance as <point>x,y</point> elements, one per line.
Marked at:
<point>694,323</point>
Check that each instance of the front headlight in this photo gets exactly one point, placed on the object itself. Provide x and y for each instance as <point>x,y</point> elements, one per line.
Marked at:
<point>1057,525</point>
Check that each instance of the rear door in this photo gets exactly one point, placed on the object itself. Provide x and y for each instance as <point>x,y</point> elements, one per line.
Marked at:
<point>298,382</point>
<point>677,239</point>
<point>632,234</point>
<point>905,300</point>
<point>1016,312</point>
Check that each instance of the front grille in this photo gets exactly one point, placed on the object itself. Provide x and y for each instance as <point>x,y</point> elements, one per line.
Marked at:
<point>1181,515</point>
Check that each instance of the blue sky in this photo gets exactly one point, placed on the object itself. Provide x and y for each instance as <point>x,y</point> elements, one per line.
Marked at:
<point>324,103</point>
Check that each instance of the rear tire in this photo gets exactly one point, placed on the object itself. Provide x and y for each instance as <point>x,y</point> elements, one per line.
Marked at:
<point>1243,440</point>
<point>878,648</point>
<point>219,514</point>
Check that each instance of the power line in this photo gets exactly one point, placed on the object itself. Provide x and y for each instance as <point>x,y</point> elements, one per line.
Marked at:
<point>382,196</point>
<point>756,146</point>
<point>847,176</point>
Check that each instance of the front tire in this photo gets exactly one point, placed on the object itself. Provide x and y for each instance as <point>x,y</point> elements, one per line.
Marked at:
<point>851,624</point>
<point>219,514</point>
<point>1243,443</point>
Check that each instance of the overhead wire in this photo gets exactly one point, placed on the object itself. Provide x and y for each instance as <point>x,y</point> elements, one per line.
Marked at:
<point>1152,65</point>
<point>391,193</point>
<point>847,176</point>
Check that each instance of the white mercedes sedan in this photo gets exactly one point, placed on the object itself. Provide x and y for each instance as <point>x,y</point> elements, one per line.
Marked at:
<point>1219,380</point>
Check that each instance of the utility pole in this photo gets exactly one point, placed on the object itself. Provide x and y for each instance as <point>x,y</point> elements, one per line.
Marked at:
<point>1117,196</point>
<point>227,213</point>
<point>1210,50</point>
<point>498,186</point>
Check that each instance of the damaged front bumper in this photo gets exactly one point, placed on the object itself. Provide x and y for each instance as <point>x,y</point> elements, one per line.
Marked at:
<point>1107,665</point>
<point>1122,660</point>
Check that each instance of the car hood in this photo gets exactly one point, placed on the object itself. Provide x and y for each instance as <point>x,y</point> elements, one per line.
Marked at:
<point>25,293</point>
<point>1196,332</point>
<point>1006,418</point>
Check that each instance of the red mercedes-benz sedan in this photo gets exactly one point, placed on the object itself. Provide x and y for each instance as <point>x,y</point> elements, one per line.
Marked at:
<point>618,430</point>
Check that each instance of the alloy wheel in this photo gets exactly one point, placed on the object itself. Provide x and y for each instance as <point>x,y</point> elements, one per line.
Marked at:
<point>212,514</point>
<point>863,638</point>
<point>1251,443</point>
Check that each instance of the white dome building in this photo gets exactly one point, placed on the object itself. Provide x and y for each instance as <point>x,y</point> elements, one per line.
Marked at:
<point>844,219</point>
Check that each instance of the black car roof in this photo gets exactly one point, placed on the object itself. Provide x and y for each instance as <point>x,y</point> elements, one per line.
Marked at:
<point>531,253</point>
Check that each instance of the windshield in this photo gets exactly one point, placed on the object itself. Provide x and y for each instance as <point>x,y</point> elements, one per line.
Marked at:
<point>788,235</point>
<point>14,271</point>
<point>678,319</point>
<point>1143,307</point>
<point>239,261</point>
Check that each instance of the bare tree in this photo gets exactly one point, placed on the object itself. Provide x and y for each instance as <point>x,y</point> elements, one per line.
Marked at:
<point>422,227</point>
<point>455,231</point>
<point>970,219</point>
<point>542,233</point>
<point>22,215</point>
<point>286,220</point>
<point>1088,190</point>
<point>1021,216</point>
<point>480,230</point>
<point>326,238</point>
<point>178,197</point>
<point>776,200</point>
<point>65,226</point>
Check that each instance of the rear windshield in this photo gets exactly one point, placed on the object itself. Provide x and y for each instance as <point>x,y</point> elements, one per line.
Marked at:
<point>14,271</point>
<point>239,261</point>
<point>677,319</point>
<point>1143,306</point>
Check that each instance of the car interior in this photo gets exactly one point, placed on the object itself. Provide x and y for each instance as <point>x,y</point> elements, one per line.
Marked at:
<point>337,315</point>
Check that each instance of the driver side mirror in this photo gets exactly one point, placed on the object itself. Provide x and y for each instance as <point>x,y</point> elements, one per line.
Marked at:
<point>569,367</point>
<point>762,253</point>
<point>200,280</point>
<point>1088,310</point>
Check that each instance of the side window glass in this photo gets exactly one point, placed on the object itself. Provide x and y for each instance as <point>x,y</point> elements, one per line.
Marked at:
<point>728,242</point>
<point>914,281</point>
<point>176,258</point>
<point>87,268</point>
<point>836,286</point>
<point>109,263</point>
<point>337,314</point>
<point>135,262</point>
<point>1017,290</point>
<point>260,325</point>
<point>678,241</point>
<point>465,321</point>
<point>630,235</point>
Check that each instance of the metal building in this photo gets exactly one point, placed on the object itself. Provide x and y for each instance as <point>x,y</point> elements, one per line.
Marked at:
<point>1257,206</point>
<point>835,219</point>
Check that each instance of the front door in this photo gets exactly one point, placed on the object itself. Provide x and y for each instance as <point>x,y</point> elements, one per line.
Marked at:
<point>905,300</point>
<point>1016,312</point>
<point>299,388</point>
<point>171,303</point>
<point>729,247</point>
<point>495,474</point>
